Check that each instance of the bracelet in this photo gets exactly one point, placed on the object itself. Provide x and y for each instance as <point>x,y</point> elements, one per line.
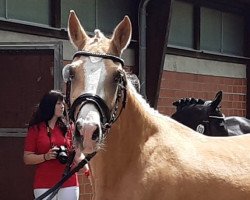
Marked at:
<point>87,173</point>
<point>44,157</point>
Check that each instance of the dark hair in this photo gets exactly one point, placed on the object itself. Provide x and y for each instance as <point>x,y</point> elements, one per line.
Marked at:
<point>46,109</point>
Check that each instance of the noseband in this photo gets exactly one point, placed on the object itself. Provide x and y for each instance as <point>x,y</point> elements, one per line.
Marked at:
<point>107,117</point>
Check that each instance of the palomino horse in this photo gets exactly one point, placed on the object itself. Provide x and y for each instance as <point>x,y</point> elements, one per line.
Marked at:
<point>206,117</point>
<point>141,154</point>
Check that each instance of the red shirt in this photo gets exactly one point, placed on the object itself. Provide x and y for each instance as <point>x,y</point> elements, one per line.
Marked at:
<point>48,173</point>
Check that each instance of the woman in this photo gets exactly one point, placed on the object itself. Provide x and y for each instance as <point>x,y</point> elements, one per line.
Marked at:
<point>48,135</point>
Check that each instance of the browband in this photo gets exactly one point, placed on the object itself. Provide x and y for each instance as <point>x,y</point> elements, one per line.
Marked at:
<point>100,55</point>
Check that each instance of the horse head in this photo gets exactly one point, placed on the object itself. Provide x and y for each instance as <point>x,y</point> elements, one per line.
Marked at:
<point>97,81</point>
<point>203,116</point>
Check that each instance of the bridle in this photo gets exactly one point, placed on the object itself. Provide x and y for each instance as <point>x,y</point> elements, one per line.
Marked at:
<point>108,117</point>
<point>206,125</point>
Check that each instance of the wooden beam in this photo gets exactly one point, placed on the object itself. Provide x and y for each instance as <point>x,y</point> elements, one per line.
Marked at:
<point>55,15</point>
<point>158,22</point>
<point>247,50</point>
<point>197,21</point>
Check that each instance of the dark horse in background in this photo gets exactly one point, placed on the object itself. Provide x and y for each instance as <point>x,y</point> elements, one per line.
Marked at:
<point>206,117</point>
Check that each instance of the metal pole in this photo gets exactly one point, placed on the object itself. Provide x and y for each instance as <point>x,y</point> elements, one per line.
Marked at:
<point>142,46</point>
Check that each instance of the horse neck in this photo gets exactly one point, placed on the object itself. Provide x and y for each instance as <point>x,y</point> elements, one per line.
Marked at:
<point>124,144</point>
<point>134,126</point>
<point>136,122</point>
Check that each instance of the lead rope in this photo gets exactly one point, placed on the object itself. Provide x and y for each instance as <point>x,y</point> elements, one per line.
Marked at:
<point>66,177</point>
<point>67,98</point>
<point>66,171</point>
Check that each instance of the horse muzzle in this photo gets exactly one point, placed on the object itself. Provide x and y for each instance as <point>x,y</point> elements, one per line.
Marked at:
<point>89,132</point>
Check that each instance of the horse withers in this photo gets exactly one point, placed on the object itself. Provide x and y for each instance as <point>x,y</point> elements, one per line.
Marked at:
<point>141,154</point>
<point>206,117</point>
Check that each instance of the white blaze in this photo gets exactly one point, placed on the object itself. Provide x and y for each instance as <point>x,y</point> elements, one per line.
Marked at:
<point>95,73</point>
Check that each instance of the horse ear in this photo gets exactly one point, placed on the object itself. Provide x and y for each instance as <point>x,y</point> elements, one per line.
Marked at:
<point>121,36</point>
<point>77,34</point>
<point>217,100</point>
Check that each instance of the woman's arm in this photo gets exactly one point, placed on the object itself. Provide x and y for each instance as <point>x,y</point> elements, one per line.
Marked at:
<point>30,158</point>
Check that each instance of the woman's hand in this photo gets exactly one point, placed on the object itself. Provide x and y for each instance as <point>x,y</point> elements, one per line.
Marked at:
<point>51,154</point>
<point>79,156</point>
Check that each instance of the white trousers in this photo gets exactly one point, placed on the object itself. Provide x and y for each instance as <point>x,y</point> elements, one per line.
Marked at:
<point>67,193</point>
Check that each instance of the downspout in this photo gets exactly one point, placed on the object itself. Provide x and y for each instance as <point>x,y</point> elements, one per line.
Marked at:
<point>142,46</point>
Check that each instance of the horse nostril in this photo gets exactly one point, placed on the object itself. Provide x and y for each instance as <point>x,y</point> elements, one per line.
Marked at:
<point>77,133</point>
<point>95,134</point>
<point>78,125</point>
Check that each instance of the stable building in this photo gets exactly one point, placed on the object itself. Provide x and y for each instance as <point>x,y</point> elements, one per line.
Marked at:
<point>179,48</point>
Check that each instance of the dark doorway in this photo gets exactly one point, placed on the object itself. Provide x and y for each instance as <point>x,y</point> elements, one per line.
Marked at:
<point>25,75</point>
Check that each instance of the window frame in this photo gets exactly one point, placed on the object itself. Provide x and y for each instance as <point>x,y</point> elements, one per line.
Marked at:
<point>53,30</point>
<point>196,51</point>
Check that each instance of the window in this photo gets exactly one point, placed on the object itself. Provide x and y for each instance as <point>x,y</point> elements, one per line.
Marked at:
<point>50,17</point>
<point>211,35</point>
<point>2,8</point>
<point>35,11</point>
<point>97,14</point>
<point>111,12</point>
<point>222,32</point>
<point>181,28</point>
<point>233,34</point>
<point>85,10</point>
<point>218,31</point>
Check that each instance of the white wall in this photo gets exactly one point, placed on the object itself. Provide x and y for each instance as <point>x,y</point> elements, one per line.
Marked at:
<point>204,67</point>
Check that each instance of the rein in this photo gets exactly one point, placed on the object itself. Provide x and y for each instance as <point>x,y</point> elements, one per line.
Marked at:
<point>66,177</point>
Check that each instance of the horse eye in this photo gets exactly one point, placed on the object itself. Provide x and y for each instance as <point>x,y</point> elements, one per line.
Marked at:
<point>71,73</point>
<point>218,108</point>
<point>67,73</point>
<point>118,76</point>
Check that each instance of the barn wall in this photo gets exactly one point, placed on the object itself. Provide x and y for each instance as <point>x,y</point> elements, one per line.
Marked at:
<point>199,78</point>
<point>85,187</point>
